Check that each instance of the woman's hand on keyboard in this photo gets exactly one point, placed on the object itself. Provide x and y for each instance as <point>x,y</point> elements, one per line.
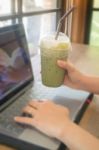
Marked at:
<point>48,117</point>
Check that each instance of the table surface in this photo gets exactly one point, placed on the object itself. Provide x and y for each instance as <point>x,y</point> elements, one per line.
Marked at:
<point>86,59</point>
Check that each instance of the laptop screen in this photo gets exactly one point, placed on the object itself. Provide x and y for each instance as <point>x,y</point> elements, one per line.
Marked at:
<point>15,67</point>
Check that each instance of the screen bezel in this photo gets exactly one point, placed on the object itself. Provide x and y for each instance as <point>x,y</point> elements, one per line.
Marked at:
<point>21,87</point>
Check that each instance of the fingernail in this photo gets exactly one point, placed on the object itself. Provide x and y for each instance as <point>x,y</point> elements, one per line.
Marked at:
<point>59,61</point>
<point>15,118</point>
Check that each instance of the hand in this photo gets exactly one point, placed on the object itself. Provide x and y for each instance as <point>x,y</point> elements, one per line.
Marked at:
<point>73,77</point>
<point>48,117</point>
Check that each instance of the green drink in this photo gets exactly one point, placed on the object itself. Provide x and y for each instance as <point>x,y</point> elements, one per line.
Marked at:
<point>51,51</point>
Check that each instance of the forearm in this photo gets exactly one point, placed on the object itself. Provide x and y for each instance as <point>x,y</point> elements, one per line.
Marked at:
<point>90,84</point>
<point>77,139</point>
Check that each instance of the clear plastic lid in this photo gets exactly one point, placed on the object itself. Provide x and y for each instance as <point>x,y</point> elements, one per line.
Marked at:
<point>49,42</point>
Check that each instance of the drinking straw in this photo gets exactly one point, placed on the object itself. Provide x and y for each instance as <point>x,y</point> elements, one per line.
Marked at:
<point>61,20</point>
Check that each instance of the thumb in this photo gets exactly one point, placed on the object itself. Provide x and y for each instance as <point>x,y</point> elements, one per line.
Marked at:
<point>65,65</point>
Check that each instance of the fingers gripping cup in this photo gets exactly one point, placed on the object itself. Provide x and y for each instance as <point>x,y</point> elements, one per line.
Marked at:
<point>51,51</point>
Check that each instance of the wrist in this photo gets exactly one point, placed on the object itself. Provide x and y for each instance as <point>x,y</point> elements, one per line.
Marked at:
<point>70,135</point>
<point>63,136</point>
<point>82,82</point>
<point>85,83</point>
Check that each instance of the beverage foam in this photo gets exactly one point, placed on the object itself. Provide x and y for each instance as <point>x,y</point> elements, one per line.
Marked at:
<point>49,42</point>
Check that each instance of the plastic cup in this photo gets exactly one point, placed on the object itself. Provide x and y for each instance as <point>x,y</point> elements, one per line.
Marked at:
<point>52,50</point>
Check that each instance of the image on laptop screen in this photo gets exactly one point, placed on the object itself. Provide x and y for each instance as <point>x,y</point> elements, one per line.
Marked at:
<point>15,66</point>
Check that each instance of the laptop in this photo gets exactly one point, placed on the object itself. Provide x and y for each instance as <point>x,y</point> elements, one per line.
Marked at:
<point>18,86</point>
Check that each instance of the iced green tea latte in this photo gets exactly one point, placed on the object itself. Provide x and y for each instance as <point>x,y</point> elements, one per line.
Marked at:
<point>51,51</point>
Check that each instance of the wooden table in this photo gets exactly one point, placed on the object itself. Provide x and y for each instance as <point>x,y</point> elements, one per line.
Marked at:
<point>86,59</point>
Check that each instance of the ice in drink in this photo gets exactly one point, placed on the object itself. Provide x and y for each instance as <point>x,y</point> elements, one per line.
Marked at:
<point>51,51</point>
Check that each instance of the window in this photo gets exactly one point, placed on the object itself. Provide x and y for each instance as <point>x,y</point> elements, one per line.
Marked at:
<point>36,27</point>
<point>29,5</point>
<point>94,35</point>
<point>5,9</point>
<point>92,23</point>
<point>38,16</point>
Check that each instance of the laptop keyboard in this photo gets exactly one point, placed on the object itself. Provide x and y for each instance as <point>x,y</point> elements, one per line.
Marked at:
<point>15,109</point>
<point>7,116</point>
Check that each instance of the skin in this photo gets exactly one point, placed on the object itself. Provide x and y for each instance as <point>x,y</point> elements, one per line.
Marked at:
<point>53,119</point>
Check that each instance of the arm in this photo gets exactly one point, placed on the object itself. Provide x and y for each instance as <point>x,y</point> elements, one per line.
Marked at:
<point>90,84</point>
<point>53,120</point>
<point>75,79</point>
<point>78,139</point>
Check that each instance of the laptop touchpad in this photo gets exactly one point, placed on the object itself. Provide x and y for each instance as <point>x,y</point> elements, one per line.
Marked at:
<point>36,137</point>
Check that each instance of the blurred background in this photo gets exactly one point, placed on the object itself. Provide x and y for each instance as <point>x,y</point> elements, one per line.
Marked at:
<point>41,17</point>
